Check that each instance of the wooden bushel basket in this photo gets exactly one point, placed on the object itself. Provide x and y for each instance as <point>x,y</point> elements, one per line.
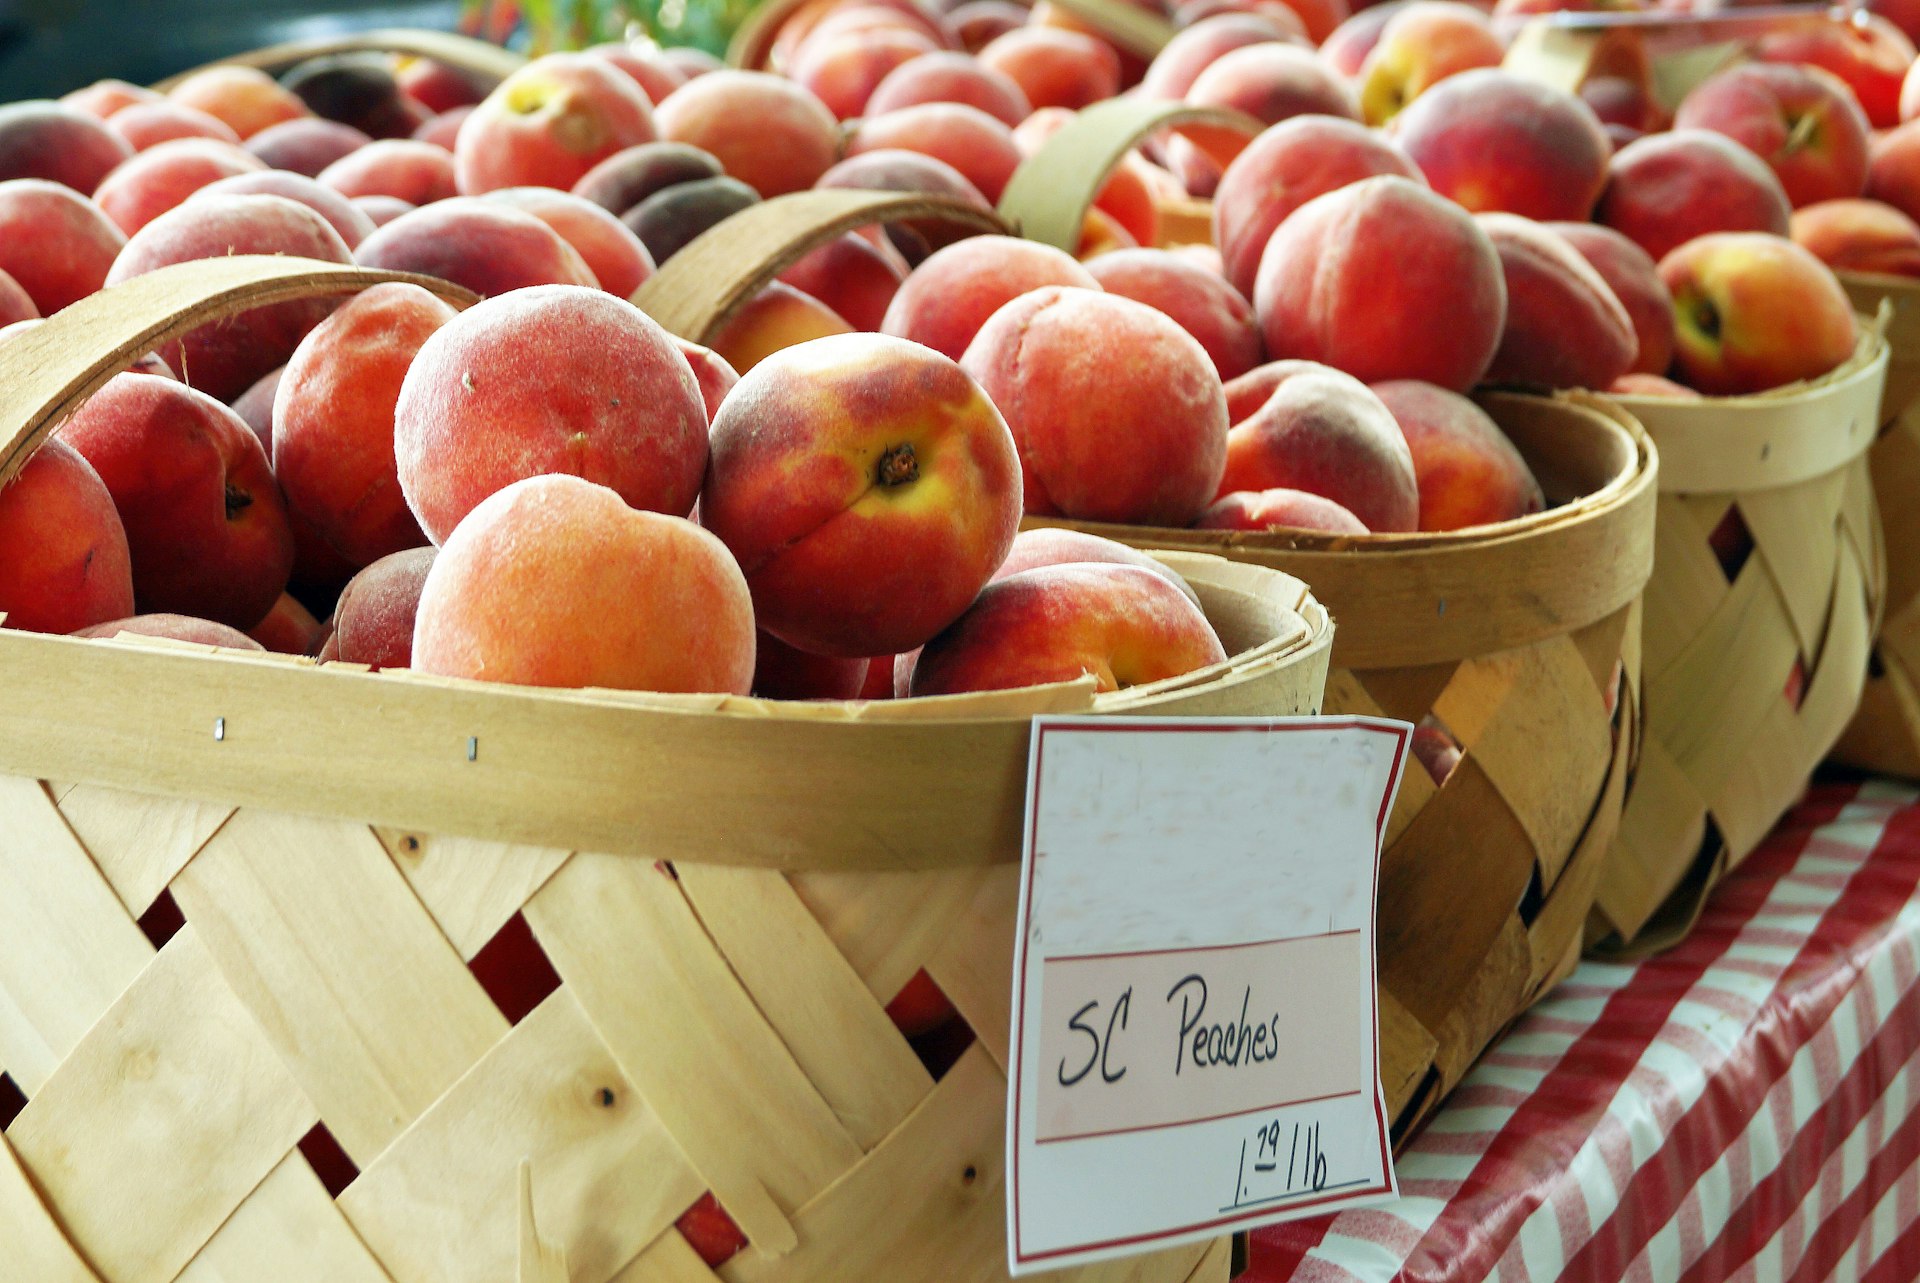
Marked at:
<point>729,890</point>
<point>1726,749</point>
<point>1884,735</point>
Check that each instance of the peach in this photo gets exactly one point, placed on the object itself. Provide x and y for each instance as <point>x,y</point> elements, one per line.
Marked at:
<point>246,99</point>
<point>851,277</point>
<point>1057,546</point>
<point>979,147</point>
<point>1276,11</point>
<point>1279,509</point>
<point>1638,384</point>
<point>306,146</point>
<point>45,140</point>
<point>357,89</point>
<point>1121,625</point>
<point>1421,45</point>
<point>64,563</point>
<point>843,70</point>
<point>1195,48</point>
<point>1437,751</point>
<point>55,242</point>
<point>161,177</point>
<point>147,124</point>
<point>443,131</point>
<point>549,123</point>
<point>373,622</point>
<point>1347,47</point>
<point>1321,431</point>
<point>1492,141</point>
<point>642,62</point>
<point>413,171</point>
<point>353,225</point>
<point>711,371</point>
<point>979,23</point>
<point>1754,312</point>
<point>1802,121</point>
<point>776,318</point>
<point>1859,236</point>
<point>333,420</point>
<point>15,304</point>
<point>1198,171</point>
<point>225,358</point>
<point>674,217</point>
<point>185,628</point>
<point>549,379</point>
<point>1635,280</point>
<point>1271,83</point>
<point>288,629</point>
<point>950,77</point>
<point>869,490</point>
<point>896,170</point>
<point>766,131</point>
<point>1665,190</point>
<point>488,247</point>
<point>1865,50</point>
<point>1351,278</point>
<point>1051,13</point>
<point>1893,173</point>
<point>1054,67</point>
<point>381,210</point>
<point>437,86</point>
<point>1283,169</point>
<point>1626,107</point>
<point>690,62</point>
<point>1141,441</point>
<point>104,97</point>
<point>782,672</point>
<point>949,297</point>
<point>554,581</point>
<point>628,177</point>
<point>206,527</point>
<point>1469,472</point>
<point>1565,328</point>
<point>852,20</point>
<point>1205,305</point>
<point>1320,17</point>
<point>617,258</point>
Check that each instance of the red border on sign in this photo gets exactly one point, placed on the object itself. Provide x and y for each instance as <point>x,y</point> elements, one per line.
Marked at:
<point>1105,725</point>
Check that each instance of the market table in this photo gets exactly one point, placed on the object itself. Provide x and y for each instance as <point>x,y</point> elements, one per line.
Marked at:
<point>1742,1107</point>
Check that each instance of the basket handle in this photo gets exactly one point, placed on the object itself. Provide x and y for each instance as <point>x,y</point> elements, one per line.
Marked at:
<point>698,290</point>
<point>460,52</point>
<point>1048,196</point>
<point>48,370</point>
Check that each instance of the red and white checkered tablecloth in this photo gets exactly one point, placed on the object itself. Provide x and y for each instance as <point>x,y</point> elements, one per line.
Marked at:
<point>1745,1107</point>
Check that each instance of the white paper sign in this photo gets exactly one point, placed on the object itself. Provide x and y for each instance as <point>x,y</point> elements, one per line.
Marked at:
<point>1195,1031</point>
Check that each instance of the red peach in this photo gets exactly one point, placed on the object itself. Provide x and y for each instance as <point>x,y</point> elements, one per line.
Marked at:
<point>1321,17</point>
<point>1860,236</point>
<point>55,242</point>
<point>305,146</point>
<point>782,672</point>
<point>104,97</point>
<point>1276,11</point>
<point>1197,47</point>
<point>1635,280</point>
<point>490,248</point>
<point>767,132</point>
<point>643,62</point>
<point>896,170</point>
<point>1422,44</point>
<point>1279,509</point>
<point>59,144</point>
<point>549,123</point>
<point>1638,384</point>
<point>1754,312</point>
<point>438,86</point>
<point>373,623</point>
<point>412,171</point>
<point>1321,431</point>
<point>1893,173</point>
<point>1205,305</point>
<point>1492,141</point>
<point>1565,328</point>
<point>161,177</point>
<point>626,178</point>
<point>979,23</point>
<point>950,77</point>
<point>776,318</point>
<point>15,304</point>
<point>353,225</point>
<point>1051,13</point>
<point>443,131</point>
<point>1469,472</point>
<point>949,297</point>
<point>1802,121</point>
<point>248,100</point>
<point>554,581</point>
<point>201,632</point>
<point>64,563</point>
<point>674,217</point>
<point>711,371</point>
<point>1626,107</point>
<point>288,629</point>
<point>617,258</point>
<point>1057,546</point>
<point>851,277</point>
<point>149,123</point>
<point>1665,190</point>
<point>381,210</point>
<point>842,71</point>
<point>1346,49</point>
<point>1055,68</point>
<point>1271,83</point>
<point>1864,49</point>
<point>977,146</point>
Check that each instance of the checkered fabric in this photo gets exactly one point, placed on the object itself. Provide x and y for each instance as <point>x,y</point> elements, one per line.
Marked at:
<point>1746,1106</point>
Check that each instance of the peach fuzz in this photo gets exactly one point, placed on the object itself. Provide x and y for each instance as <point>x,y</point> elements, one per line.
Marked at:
<point>1802,121</point>
<point>150,123</point>
<point>55,242</point>
<point>553,581</point>
<point>674,217</point>
<point>1271,83</point>
<point>843,70</point>
<point>160,178</point>
<point>288,629</point>
<point>1469,473</point>
<point>626,178</point>
<point>1635,281</point>
<point>1054,67</point>
<point>1058,546</point>
<point>306,146</point>
<point>416,172</point>
<point>1665,190</point>
<point>1193,49</point>
<point>946,76</point>
<point>1142,442</point>
<point>333,414</point>
<point>1204,305</point>
<point>1284,168</point>
<point>59,144</point>
<point>1492,141</point>
<point>246,99</point>
<point>549,379</point>
<point>868,488</point>
<point>946,300</point>
<point>206,526</point>
<point>615,256</point>
<point>1421,45</point>
<point>373,622</point>
<point>1279,509</point>
<point>1893,171</point>
<point>490,248</point>
<point>64,563</point>
<point>1565,328</point>
<point>1859,236</point>
<point>851,277</point>
<point>711,371</point>
<point>104,97</point>
<point>1866,51</point>
<point>185,628</point>
<point>225,358</point>
<point>1309,427</point>
<point>782,672</point>
<point>980,148</point>
<point>765,131</point>
<point>776,318</point>
<point>1121,625</point>
<point>1351,278</point>
<point>1754,312</point>
<point>353,225</point>
<point>549,123</point>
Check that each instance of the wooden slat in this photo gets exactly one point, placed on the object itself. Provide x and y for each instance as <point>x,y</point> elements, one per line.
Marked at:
<point>887,925</point>
<point>667,1260</point>
<point>139,841</point>
<point>34,1245</point>
<point>321,938</point>
<point>288,1231</point>
<point>471,887</point>
<point>974,966</point>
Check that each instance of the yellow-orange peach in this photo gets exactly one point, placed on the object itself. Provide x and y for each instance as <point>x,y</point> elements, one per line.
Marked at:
<point>1318,430</point>
<point>1055,68</point>
<point>1754,311</point>
<point>1421,45</point>
<point>776,318</point>
<point>1469,472</point>
<point>64,563</point>
<point>549,123</point>
<point>247,100</point>
<point>104,97</point>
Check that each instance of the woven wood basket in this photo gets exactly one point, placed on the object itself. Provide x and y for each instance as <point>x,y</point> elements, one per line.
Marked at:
<point>1727,750</point>
<point>342,843</point>
<point>1884,735</point>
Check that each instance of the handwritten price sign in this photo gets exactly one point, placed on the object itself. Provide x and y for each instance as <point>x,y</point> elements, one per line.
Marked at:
<point>1196,1044</point>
